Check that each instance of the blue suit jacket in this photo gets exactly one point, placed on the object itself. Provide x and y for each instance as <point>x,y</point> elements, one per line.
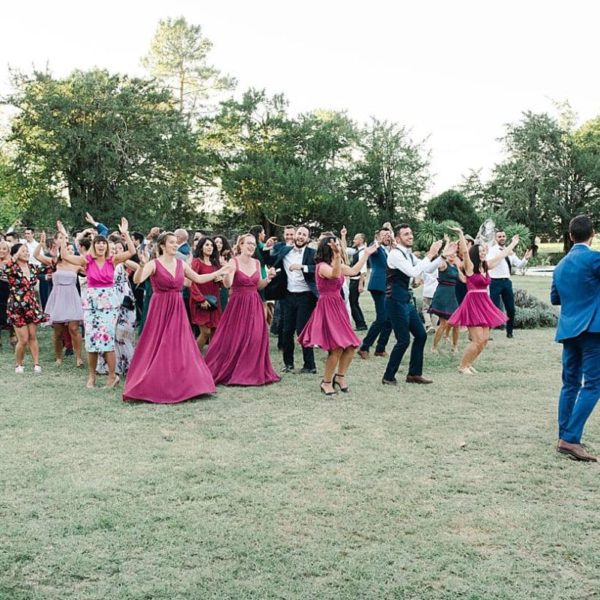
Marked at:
<point>378,264</point>
<point>576,288</point>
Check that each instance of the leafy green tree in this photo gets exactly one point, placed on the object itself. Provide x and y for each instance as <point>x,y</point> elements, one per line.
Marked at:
<point>178,58</point>
<point>452,205</point>
<point>11,202</point>
<point>106,144</point>
<point>391,174</point>
<point>275,169</point>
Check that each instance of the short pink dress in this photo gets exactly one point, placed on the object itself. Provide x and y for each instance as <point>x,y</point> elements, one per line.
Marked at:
<point>477,309</point>
<point>329,325</point>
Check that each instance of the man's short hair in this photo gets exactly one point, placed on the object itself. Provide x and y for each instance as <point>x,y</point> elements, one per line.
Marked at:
<point>398,228</point>
<point>581,228</point>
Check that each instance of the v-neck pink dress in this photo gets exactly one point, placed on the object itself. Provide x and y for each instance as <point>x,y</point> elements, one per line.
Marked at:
<point>167,366</point>
<point>238,353</point>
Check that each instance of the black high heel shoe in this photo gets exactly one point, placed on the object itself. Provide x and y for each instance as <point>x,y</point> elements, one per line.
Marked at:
<point>346,389</point>
<point>323,391</point>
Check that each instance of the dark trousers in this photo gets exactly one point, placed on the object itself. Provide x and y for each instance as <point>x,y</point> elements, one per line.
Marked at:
<point>502,289</point>
<point>298,308</point>
<point>381,326</point>
<point>357,313</point>
<point>277,322</point>
<point>581,385</point>
<point>405,321</point>
<point>45,289</point>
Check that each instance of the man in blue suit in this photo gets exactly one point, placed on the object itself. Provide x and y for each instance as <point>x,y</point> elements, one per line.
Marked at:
<point>576,288</point>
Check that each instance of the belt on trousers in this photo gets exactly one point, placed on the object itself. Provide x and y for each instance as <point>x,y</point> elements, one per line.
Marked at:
<point>299,293</point>
<point>500,278</point>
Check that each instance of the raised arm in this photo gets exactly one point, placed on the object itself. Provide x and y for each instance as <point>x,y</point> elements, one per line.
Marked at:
<point>144,272</point>
<point>123,256</point>
<point>197,278</point>
<point>37,253</point>
<point>74,259</point>
<point>355,269</point>
<point>463,251</point>
<point>334,270</point>
<point>502,255</point>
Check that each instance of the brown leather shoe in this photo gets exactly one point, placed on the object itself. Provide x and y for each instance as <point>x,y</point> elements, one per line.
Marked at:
<point>382,354</point>
<point>575,451</point>
<point>364,354</point>
<point>417,379</point>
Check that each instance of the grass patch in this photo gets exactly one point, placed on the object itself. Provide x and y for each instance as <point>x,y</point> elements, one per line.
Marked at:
<point>446,491</point>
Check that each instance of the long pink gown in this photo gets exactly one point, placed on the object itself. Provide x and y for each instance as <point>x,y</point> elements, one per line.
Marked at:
<point>477,308</point>
<point>238,354</point>
<point>329,325</point>
<point>167,366</point>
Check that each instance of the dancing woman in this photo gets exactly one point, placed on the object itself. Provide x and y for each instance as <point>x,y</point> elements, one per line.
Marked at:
<point>100,304</point>
<point>239,351</point>
<point>329,325</point>
<point>64,302</point>
<point>444,302</point>
<point>23,310</point>
<point>167,366</point>
<point>224,249</point>
<point>477,312</point>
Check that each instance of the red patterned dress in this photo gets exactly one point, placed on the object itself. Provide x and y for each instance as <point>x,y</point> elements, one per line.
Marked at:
<point>23,308</point>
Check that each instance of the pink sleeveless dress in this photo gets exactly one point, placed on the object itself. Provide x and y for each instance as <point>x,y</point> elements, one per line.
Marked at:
<point>167,366</point>
<point>238,353</point>
<point>477,308</point>
<point>329,325</point>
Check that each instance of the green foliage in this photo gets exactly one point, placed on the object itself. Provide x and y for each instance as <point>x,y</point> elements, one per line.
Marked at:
<point>104,143</point>
<point>531,312</point>
<point>178,58</point>
<point>391,174</point>
<point>453,205</point>
<point>11,203</point>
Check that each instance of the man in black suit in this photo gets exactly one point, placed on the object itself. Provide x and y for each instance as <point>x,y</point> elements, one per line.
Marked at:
<point>298,263</point>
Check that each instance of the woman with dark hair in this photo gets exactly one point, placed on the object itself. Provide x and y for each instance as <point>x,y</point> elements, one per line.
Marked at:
<point>167,366</point>
<point>329,325</point>
<point>239,351</point>
<point>258,232</point>
<point>225,254</point>
<point>24,312</point>
<point>4,292</point>
<point>64,302</point>
<point>477,311</point>
<point>100,303</point>
<point>205,305</point>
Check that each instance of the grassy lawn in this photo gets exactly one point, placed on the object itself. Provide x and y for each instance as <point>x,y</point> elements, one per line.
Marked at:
<point>452,490</point>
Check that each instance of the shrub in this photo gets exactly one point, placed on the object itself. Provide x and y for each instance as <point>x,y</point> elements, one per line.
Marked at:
<point>531,313</point>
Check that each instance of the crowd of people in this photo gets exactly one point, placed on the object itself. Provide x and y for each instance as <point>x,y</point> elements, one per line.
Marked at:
<point>203,309</point>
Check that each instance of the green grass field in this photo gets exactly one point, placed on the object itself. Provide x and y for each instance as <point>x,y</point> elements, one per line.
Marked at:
<point>452,490</point>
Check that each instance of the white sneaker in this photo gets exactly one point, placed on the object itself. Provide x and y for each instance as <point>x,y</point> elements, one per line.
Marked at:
<point>37,369</point>
<point>19,369</point>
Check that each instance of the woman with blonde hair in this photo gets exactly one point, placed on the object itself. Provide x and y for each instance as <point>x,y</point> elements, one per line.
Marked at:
<point>239,351</point>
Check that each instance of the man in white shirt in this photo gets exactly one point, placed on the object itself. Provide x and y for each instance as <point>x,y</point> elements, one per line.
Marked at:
<point>501,285</point>
<point>402,266</point>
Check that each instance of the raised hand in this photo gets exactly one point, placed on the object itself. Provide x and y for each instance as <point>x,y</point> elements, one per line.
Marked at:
<point>61,228</point>
<point>334,249</point>
<point>372,248</point>
<point>43,239</point>
<point>436,247</point>
<point>271,273</point>
<point>343,231</point>
<point>124,225</point>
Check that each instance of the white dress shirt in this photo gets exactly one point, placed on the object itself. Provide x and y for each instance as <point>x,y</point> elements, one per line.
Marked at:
<point>31,246</point>
<point>404,260</point>
<point>351,252</point>
<point>296,283</point>
<point>501,270</point>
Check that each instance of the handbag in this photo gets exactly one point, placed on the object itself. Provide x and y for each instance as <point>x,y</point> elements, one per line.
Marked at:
<point>212,301</point>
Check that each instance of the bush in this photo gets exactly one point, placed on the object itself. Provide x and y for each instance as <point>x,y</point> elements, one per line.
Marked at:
<point>532,313</point>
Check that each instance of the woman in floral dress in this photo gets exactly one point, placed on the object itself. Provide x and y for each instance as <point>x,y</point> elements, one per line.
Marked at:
<point>100,304</point>
<point>23,311</point>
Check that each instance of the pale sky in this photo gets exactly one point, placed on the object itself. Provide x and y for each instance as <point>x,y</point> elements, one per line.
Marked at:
<point>454,72</point>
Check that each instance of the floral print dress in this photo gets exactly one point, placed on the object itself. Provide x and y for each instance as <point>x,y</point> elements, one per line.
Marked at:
<point>23,308</point>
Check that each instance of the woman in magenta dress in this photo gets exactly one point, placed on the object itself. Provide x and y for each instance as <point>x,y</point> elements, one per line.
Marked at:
<point>239,351</point>
<point>329,326</point>
<point>477,311</point>
<point>205,303</point>
<point>167,366</point>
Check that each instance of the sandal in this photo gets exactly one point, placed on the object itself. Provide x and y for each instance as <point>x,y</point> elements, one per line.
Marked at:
<point>344,389</point>
<point>333,393</point>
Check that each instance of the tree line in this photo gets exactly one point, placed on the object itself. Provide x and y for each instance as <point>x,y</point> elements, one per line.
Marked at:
<point>178,147</point>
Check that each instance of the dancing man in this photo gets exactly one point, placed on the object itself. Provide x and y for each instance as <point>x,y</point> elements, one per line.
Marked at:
<point>402,266</point>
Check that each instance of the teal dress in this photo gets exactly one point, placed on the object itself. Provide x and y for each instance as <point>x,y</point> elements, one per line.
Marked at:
<point>444,301</point>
